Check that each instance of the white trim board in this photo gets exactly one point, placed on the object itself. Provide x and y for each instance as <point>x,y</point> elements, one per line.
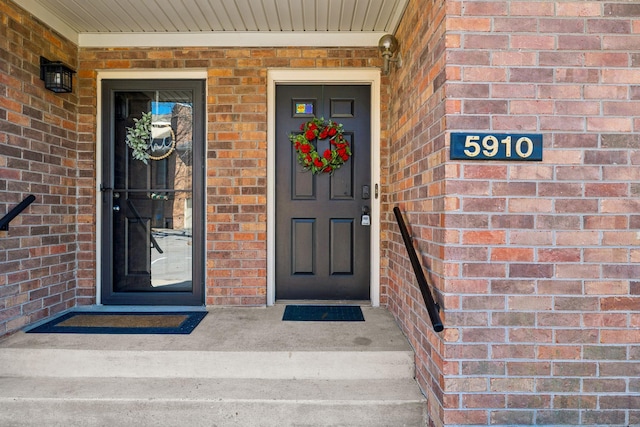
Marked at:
<point>370,76</point>
<point>231,39</point>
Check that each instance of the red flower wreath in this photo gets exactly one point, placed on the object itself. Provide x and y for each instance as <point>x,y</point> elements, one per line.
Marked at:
<point>308,156</point>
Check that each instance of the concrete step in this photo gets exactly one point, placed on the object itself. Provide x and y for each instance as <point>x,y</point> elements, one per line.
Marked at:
<point>29,362</point>
<point>240,367</point>
<point>209,402</point>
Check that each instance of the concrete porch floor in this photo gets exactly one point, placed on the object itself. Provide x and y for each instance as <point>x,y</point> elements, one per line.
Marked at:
<point>241,329</point>
<point>239,367</point>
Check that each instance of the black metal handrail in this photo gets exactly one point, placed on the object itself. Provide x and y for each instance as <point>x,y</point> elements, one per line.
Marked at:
<point>4,222</point>
<point>432,307</point>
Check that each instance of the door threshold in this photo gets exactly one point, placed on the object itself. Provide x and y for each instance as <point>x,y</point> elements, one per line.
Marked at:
<point>362,303</point>
<point>139,308</point>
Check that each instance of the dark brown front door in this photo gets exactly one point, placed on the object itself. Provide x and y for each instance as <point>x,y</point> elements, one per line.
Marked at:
<point>153,210</point>
<point>322,233</point>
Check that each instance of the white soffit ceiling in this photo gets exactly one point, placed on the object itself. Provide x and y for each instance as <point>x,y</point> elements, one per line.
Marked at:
<point>128,23</point>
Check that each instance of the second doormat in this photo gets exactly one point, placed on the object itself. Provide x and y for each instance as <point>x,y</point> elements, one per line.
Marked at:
<point>80,322</point>
<point>323,313</point>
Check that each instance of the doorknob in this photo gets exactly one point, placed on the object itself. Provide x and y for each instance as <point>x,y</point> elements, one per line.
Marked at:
<point>116,206</point>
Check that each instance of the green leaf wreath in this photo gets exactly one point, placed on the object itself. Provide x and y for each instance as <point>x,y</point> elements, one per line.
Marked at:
<point>139,137</point>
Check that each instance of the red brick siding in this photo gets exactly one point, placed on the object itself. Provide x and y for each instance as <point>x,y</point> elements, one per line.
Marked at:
<point>48,147</point>
<point>236,193</point>
<point>414,180</point>
<point>536,263</point>
<point>63,137</point>
<point>38,134</point>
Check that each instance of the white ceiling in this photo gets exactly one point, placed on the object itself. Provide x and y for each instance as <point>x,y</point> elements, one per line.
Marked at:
<point>114,23</point>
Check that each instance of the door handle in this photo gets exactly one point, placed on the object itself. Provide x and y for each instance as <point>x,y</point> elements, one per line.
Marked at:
<point>116,206</point>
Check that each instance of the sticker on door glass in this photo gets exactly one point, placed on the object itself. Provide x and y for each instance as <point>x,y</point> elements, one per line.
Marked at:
<point>304,108</point>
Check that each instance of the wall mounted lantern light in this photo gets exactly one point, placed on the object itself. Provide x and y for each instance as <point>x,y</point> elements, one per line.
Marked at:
<point>388,45</point>
<point>57,76</point>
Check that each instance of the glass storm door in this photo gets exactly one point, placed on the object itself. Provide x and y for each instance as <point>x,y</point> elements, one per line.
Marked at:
<point>152,201</point>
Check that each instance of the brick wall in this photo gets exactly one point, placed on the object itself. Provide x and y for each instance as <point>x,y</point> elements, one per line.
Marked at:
<point>48,148</point>
<point>38,134</point>
<point>414,181</point>
<point>236,193</point>
<point>536,264</point>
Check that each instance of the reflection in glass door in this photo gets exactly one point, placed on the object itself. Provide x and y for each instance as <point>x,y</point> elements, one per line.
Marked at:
<point>152,192</point>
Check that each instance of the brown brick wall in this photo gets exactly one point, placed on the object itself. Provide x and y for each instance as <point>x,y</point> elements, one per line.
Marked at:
<point>38,156</point>
<point>415,182</point>
<point>236,150</point>
<point>48,148</point>
<point>536,263</point>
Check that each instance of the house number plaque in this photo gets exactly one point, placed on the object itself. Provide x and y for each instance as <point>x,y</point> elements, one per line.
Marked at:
<point>496,146</point>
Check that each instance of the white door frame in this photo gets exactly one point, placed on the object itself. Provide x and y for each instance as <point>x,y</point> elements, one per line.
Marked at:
<point>370,76</point>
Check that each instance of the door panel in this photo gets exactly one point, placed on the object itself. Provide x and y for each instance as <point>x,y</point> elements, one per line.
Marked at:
<point>322,247</point>
<point>341,250</point>
<point>153,213</point>
<point>303,243</point>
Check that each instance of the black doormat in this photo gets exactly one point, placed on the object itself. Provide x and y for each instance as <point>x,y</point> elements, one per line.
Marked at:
<point>323,313</point>
<point>81,322</point>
